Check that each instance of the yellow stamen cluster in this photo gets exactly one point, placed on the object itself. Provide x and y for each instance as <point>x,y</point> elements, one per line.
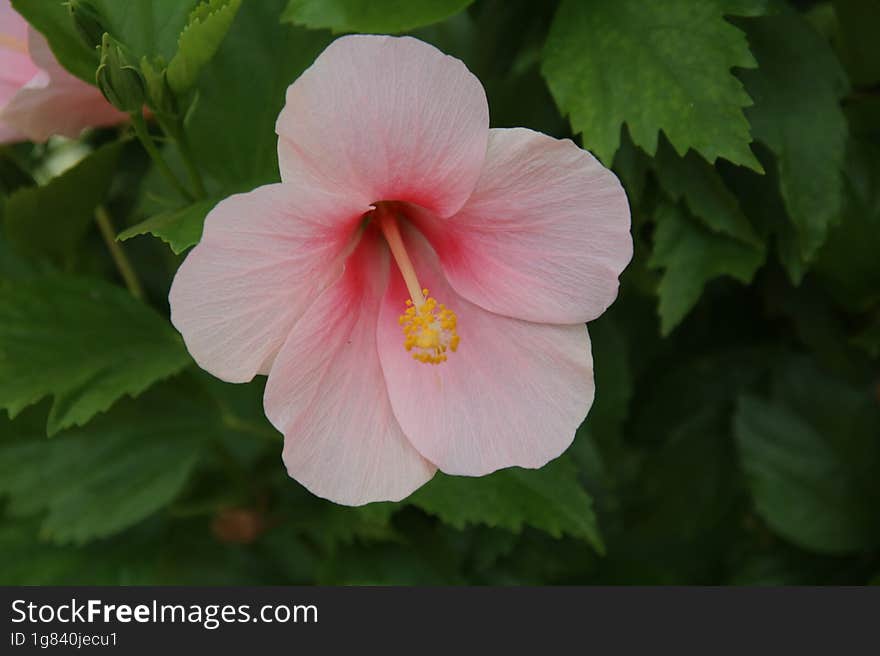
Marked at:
<point>429,330</point>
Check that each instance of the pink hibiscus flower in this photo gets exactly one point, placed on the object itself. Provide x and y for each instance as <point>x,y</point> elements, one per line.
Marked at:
<point>416,287</point>
<point>39,98</point>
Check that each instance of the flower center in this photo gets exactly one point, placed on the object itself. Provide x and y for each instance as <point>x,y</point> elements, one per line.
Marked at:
<point>429,327</point>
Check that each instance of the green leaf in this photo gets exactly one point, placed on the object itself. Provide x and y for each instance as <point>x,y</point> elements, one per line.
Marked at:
<point>82,341</point>
<point>691,255</point>
<point>31,561</point>
<point>53,20</point>
<point>549,499</point>
<point>145,27</point>
<point>180,228</point>
<point>811,458</point>
<point>378,16</point>
<point>653,66</point>
<point>241,92</point>
<point>199,41</point>
<point>797,90</point>
<point>847,262</point>
<point>95,481</point>
<point>685,488</point>
<point>52,218</point>
<point>694,180</point>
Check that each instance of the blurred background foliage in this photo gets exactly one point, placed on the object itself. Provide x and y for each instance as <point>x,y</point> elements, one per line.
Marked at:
<point>735,436</point>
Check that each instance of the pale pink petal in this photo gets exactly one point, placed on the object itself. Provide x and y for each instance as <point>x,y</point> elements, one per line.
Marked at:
<point>514,393</point>
<point>16,67</point>
<point>386,118</point>
<point>263,258</point>
<point>544,236</point>
<point>55,102</point>
<point>327,395</point>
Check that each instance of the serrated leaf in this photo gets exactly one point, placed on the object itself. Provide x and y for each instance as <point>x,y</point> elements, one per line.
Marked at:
<point>378,16</point>
<point>199,41</point>
<point>691,255</point>
<point>696,182</point>
<point>549,499</point>
<point>51,219</point>
<point>146,27</point>
<point>98,480</point>
<point>180,228</point>
<point>653,66</point>
<point>84,342</point>
<point>797,90</point>
<point>810,457</point>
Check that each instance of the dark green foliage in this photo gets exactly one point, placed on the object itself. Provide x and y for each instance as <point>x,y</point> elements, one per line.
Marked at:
<point>735,434</point>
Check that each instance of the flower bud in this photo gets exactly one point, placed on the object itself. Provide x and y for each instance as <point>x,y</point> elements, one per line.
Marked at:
<point>119,81</point>
<point>87,22</point>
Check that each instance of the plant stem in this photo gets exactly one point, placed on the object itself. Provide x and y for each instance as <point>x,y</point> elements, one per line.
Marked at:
<point>108,232</point>
<point>140,129</point>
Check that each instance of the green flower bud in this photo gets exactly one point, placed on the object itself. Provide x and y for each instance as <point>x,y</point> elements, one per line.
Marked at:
<point>87,22</point>
<point>119,81</point>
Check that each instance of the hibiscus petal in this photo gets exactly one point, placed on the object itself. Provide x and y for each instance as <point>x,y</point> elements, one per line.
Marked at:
<point>327,395</point>
<point>54,102</point>
<point>513,394</point>
<point>544,236</point>
<point>386,118</point>
<point>16,67</point>
<point>263,258</point>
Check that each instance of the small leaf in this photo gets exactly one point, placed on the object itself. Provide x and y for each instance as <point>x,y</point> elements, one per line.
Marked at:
<point>82,341</point>
<point>377,16</point>
<point>691,255</point>
<point>549,499</point>
<point>653,66</point>
<point>199,41</point>
<point>179,228</point>
<point>52,218</point>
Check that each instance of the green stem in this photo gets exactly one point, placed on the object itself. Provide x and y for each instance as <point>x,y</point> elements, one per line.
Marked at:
<point>108,232</point>
<point>140,129</point>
